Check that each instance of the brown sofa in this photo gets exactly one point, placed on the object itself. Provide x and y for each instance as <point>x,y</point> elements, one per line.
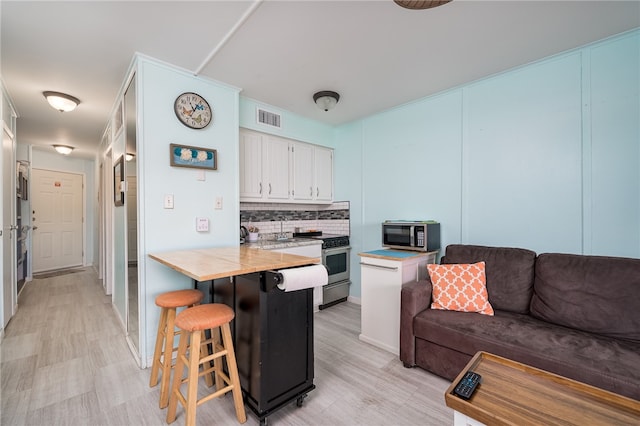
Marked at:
<point>577,316</point>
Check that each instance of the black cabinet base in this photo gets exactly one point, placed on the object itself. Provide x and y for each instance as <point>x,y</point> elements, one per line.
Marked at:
<point>262,415</point>
<point>273,340</point>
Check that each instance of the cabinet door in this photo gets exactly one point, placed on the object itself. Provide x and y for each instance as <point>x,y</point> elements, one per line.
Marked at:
<point>323,169</point>
<point>250,165</point>
<point>276,168</point>
<point>380,297</point>
<point>303,186</point>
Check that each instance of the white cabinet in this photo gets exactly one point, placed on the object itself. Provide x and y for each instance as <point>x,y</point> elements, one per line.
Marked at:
<point>303,185</point>
<point>275,169</point>
<point>323,173</point>
<point>312,173</point>
<point>264,167</point>
<point>311,250</point>
<point>382,276</point>
<point>250,166</point>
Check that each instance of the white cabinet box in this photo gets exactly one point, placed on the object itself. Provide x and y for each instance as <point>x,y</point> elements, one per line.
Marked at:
<point>382,274</point>
<point>323,173</point>
<point>275,169</point>
<point>312,173</point>
<point>264,167</point>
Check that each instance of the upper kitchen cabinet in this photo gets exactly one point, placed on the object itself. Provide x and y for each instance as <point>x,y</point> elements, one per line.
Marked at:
<point>312,173</point>
<point>275,169</point>
<point>323,173</point>
<point>250,166</point>
<point>303,185</point>
<point>264,167</point>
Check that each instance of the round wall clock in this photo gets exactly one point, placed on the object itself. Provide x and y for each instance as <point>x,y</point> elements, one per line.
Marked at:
<point>193,110</point>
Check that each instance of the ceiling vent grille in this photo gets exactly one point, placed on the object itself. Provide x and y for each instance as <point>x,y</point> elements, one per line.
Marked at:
<point>269,118</point>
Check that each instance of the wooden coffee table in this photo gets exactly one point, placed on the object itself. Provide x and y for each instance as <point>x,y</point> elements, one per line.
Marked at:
<point>512,393</point>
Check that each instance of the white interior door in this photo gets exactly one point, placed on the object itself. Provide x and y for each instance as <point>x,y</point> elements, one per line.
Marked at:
<point>57,220</point>
<point>9,291</point>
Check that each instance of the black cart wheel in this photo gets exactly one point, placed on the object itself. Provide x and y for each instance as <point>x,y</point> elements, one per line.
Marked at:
<point>300,400</point>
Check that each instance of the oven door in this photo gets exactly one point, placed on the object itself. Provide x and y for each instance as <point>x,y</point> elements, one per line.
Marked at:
<point>337,262</point>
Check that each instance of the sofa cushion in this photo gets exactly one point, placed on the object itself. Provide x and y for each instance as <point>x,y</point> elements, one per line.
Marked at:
<point>591,293</point>
<point>601,361</point>
<point>460,287</point>
<point>509,271</point>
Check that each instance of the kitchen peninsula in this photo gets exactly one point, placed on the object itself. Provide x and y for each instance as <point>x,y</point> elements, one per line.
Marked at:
<point>272,330</point>
<point>213,263</point>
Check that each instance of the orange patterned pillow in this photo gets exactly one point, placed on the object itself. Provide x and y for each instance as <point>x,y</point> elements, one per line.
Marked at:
<point>460,287</point>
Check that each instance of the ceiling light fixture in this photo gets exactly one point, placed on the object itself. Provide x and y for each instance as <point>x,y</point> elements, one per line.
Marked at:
<point>61,101</point>
<point>63,149</point>
<point>420,4</point>
<point>129,156</point>
<point>326,99</point>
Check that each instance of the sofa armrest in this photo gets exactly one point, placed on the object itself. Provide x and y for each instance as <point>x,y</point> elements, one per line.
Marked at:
<point>415,297</point>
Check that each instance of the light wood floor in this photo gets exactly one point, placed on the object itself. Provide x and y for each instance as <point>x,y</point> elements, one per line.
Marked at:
<point>64,361</point>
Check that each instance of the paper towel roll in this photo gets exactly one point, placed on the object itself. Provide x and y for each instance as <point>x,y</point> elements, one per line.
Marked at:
<point>304,277</point>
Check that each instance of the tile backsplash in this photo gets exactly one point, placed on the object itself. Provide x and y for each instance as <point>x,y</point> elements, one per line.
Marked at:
<point>330,219</point>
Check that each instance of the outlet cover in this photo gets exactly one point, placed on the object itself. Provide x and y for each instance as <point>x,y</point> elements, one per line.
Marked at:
<point>202,224</point>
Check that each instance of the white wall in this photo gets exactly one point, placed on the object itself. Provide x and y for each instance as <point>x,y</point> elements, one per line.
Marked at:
<point>612,149</point>
<point>521,162</point>
<point>292,126</point>
<point>7,114</point>
<point>173,229</point>
<point>546,157</point>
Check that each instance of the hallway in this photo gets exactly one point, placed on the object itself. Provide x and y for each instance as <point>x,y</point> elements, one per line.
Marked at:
<point>65,361</point>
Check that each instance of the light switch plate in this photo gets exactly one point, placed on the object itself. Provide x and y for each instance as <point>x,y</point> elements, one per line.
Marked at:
<point>168,201</point>
<point>218,203</point>
<point>202,224</point>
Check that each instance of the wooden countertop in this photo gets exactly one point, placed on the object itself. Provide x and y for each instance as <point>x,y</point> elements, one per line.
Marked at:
<point>212,263</point>
<point>512,393</point>
<point>390,254</point>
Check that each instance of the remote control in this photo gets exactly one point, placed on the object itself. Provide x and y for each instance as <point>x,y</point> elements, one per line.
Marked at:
<point>467,385</point>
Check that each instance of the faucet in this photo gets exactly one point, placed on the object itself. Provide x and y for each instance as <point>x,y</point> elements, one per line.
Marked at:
<point>282,235</point>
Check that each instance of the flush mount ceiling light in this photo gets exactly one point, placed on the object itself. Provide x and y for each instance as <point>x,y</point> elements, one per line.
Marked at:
<point>61,101</point>
<point>326,99</point>
<point>418,4</point>
<point>63,149</point>
<point>129,156</point>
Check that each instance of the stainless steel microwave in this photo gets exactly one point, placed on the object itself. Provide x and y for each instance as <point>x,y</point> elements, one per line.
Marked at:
<point>411,235</point>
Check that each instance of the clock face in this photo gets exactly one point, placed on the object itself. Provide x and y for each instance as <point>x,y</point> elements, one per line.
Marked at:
<point>193,111</point>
